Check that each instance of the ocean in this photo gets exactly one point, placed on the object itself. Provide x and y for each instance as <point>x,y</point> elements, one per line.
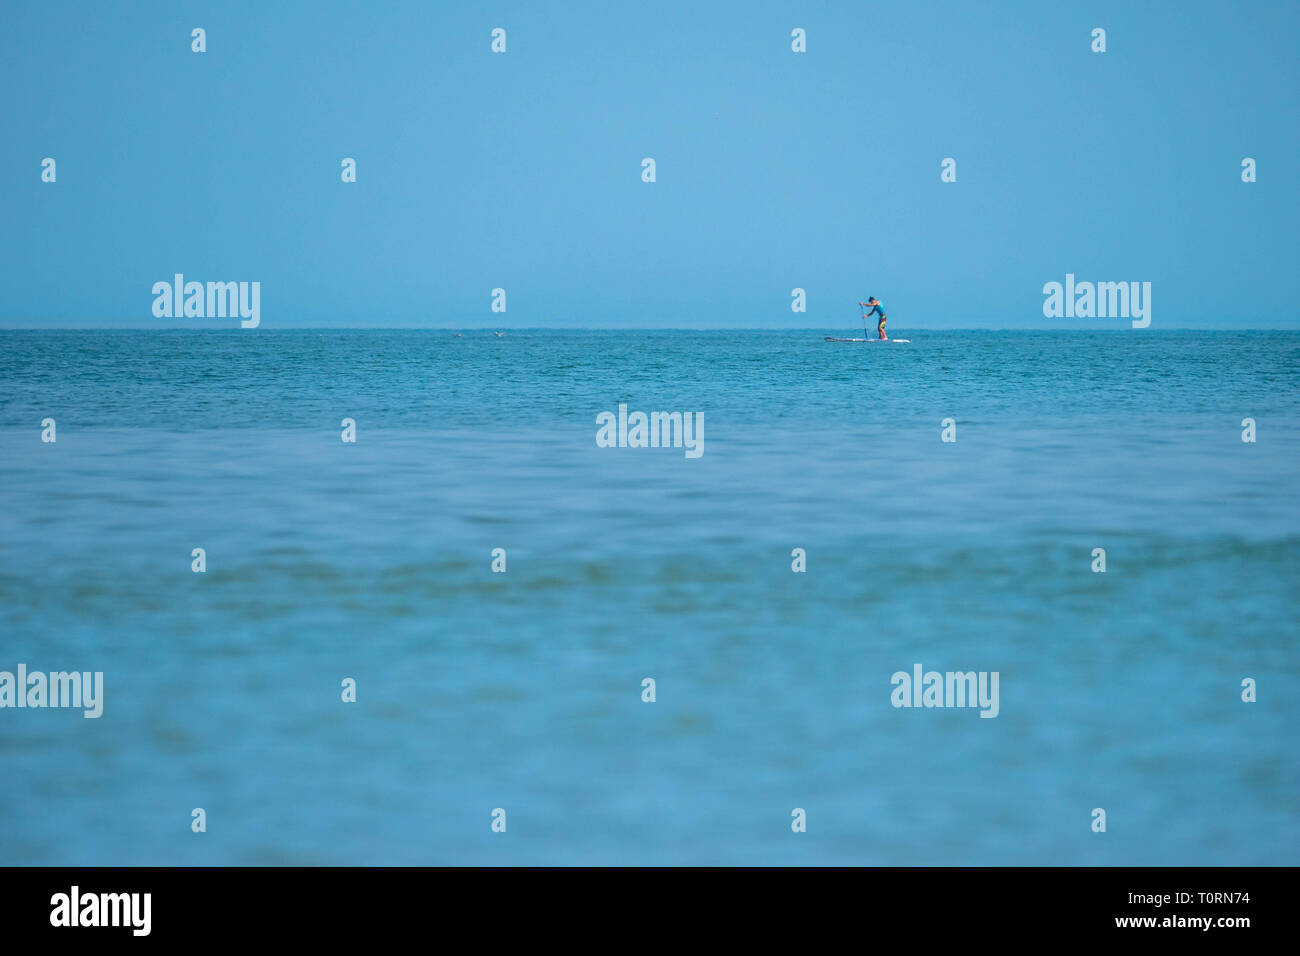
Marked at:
<point>522,691</point>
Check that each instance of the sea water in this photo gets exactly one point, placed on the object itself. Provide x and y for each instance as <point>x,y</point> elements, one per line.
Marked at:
<point>523,690</point>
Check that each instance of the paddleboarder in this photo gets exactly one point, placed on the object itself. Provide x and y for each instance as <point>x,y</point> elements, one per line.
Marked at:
<point>872,305</point>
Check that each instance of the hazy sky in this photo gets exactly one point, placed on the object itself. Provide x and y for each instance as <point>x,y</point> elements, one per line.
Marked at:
<point>775,170</point>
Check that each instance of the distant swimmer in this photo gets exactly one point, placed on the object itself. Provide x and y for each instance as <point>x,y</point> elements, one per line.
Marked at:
<point>872,305</point>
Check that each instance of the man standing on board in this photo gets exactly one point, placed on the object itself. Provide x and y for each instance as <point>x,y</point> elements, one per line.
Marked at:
<point>872,305</point>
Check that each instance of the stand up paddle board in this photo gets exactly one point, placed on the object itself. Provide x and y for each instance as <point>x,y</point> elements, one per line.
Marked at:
<point>886,341</point>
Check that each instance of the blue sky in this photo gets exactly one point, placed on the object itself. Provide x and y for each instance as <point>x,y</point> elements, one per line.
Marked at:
<point>775,170</point>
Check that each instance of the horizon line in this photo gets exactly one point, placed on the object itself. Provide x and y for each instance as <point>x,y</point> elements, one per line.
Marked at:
<point>602,328</point>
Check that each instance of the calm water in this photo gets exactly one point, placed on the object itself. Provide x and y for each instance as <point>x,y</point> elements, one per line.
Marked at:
<point>522,690</point>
